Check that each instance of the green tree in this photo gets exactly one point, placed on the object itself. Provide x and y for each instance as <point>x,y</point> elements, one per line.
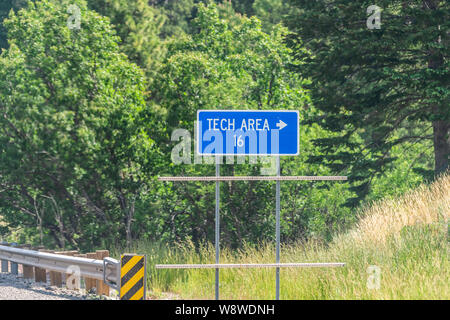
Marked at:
<point>375,87</point>
<point>271,12</point>
<point>74,151</point>
<point>244,7</point>
<point>139,25</point>
<point>179,14</point>
<point>5,7</point>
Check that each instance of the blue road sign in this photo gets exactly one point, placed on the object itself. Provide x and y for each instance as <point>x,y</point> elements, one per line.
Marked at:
<point>247,132</point>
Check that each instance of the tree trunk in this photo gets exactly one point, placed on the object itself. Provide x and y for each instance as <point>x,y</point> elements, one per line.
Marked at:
<point>130,217</point>
<point>39,221</point>
<point>441,137</point>
<point>441,126</point>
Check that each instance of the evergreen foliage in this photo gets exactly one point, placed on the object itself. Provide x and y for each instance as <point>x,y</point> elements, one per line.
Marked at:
<point>375,88</point>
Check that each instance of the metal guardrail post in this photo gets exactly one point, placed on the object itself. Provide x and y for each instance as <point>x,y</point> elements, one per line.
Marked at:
<point>4,263</point>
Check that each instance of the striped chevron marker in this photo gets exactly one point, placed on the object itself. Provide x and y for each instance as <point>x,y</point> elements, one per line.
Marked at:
<point>132,277</point>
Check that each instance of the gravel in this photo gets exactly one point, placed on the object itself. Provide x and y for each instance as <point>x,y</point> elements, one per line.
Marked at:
<point>17,288</point>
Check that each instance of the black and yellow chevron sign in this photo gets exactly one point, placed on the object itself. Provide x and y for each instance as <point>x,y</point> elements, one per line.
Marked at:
<point>132,277</point>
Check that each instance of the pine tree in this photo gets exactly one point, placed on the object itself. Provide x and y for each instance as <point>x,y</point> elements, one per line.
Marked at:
<point>377,84</point>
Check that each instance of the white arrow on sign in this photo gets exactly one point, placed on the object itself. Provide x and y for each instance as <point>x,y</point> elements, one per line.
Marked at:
<point>281,125</point>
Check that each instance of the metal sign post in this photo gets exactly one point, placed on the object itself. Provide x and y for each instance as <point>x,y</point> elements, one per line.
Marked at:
<point>277,231</point>
<point>217,231</point>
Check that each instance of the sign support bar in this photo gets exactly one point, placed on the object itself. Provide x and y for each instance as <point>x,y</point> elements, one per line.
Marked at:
<point>277,230</point>
<point>254,178</point>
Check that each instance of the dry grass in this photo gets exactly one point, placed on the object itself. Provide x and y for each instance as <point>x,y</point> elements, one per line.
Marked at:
<point>425,205</point>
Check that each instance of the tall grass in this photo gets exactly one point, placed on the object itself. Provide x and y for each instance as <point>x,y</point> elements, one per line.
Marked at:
<point>406,238</point>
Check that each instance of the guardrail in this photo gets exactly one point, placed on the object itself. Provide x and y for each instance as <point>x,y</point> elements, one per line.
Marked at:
<point>106,271</point>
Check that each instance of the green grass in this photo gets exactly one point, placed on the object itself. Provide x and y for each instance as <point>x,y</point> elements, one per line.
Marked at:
<point>411,251</point>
